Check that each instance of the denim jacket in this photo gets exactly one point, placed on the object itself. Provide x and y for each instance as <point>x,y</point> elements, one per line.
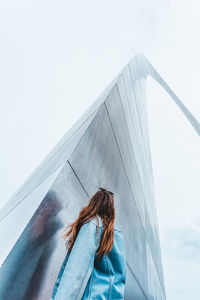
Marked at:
<point>83,277</point>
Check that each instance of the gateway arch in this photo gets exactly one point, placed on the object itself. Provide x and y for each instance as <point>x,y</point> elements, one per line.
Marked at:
<point>109,147</point>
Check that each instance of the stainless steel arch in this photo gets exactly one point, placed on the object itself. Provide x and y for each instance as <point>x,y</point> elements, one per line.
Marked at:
<point>108,146</point>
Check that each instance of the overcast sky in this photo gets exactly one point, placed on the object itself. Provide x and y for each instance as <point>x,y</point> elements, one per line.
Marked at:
<point>56,57</point>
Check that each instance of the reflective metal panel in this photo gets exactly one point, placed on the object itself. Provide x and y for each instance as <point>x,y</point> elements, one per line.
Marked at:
<point>132,284</point>
<point>31,268</point>
<point>19,217</point>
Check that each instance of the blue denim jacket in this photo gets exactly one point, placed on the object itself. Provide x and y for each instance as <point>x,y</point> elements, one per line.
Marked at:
<point>83,277</point>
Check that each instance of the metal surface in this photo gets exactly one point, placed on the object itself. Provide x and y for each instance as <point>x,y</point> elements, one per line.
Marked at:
<point>108,146</point>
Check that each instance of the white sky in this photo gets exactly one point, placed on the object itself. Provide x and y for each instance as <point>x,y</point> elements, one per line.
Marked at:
<point>56,57</point>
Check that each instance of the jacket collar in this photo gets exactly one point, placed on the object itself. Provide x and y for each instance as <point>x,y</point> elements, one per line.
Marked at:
<point>101,223</point>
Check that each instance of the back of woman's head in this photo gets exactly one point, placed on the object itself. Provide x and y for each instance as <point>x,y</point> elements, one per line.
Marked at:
<point>102,204</point>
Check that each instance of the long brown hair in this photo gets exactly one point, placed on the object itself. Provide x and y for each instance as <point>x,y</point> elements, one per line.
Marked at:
<point>102,204</point>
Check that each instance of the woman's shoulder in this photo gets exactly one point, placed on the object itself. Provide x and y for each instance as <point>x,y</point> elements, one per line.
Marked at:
<point>94,221</point>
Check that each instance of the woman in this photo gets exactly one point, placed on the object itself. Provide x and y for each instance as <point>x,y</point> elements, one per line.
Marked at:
<point>95,265</point>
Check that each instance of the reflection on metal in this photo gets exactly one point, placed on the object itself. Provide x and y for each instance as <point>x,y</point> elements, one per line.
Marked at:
<point>108,146</point>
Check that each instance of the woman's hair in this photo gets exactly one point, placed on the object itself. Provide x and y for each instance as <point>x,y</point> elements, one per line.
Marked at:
<point>102,204</point>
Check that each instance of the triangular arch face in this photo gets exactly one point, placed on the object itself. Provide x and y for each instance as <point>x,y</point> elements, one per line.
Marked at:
<point>109,147</point>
